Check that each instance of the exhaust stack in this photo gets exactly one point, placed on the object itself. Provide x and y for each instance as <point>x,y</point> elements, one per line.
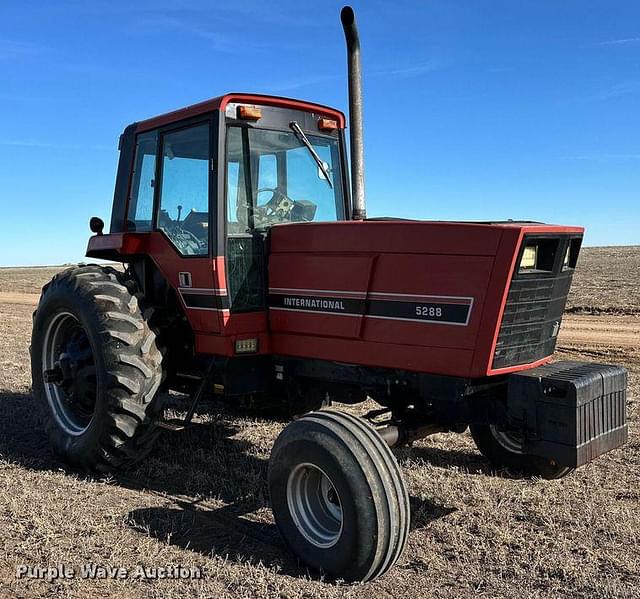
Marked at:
<point>348,19</point>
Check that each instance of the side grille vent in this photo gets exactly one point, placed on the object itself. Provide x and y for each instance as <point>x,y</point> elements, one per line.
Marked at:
<point>246,268</point>
<point>532,316</point>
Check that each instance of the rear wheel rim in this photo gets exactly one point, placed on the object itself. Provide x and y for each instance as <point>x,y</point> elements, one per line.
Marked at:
<point>67,358</point>
<point>510,441</point>
<point>314,505</point>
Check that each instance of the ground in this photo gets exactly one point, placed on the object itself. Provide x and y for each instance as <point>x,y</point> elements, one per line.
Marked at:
<point>200,500</point>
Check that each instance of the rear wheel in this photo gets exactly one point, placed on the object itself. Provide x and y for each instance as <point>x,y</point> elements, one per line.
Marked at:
<point>338,496</point>
<point>96,368</point>
<point>506,449</point>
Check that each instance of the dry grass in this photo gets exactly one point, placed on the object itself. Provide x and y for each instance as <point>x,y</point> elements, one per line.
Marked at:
<point>200,500</point>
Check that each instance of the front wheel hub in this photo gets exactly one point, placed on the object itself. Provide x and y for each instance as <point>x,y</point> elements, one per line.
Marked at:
<point>314,505</point>
<point>54,376</point>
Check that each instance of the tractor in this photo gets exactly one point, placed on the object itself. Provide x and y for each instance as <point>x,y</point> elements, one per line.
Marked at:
<point>252,271</point>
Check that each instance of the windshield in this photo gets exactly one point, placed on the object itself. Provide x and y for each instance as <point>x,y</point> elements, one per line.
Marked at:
<point>273,177</point>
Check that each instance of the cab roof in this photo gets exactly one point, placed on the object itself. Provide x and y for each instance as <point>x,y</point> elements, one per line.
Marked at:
<point>220,103</point>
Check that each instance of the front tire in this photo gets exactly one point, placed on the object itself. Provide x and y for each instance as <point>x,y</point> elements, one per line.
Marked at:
<point>506,450</point>
<point>96,369</point>
<point>338,496</point>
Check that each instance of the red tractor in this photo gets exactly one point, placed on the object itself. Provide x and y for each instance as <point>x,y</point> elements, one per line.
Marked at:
<point>252,271</point>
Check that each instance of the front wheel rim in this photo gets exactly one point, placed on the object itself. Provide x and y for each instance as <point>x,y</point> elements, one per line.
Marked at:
<point>314,505</point>
<point>69,375</point>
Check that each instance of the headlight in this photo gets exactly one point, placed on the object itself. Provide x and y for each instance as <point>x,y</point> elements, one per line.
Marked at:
<point>529,257</point>
<point>565,262</point>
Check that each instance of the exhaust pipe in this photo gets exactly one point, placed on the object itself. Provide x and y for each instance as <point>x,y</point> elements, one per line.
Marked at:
<point>348,19</point>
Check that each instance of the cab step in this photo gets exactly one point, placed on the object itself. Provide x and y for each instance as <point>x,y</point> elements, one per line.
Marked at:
<point>177,425</point>
<point>174,424</point>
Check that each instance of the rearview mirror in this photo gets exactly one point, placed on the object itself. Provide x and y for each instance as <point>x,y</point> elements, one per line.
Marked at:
<point>96,224</point>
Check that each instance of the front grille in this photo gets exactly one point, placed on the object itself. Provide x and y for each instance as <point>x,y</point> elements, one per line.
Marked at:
<point>533,313</point>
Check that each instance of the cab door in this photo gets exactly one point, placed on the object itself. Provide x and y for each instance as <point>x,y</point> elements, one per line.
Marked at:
<point>183,242</point>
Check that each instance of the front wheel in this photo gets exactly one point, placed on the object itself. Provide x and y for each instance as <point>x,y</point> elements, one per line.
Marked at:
<point>338,496</point>
<point>506,449</point>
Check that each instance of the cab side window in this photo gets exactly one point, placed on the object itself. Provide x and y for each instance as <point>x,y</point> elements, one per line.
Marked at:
<point>184,191</point>
<point>140,207</point>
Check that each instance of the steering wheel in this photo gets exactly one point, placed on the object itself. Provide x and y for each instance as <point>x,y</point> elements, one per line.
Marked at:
<point>277,209</point>
<point>190,236</point>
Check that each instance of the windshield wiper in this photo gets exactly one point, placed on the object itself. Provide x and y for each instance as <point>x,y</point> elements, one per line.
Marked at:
<point>303,139</point>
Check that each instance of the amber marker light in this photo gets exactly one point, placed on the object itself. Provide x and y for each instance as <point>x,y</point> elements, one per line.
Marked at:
<point>249,113</point>
<point>327,124</point>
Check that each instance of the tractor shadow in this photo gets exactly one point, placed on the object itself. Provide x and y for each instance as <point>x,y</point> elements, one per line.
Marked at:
<point>225,532</point>
<point>23,442</point>
<point>470,462</point>
<point>467,462</point>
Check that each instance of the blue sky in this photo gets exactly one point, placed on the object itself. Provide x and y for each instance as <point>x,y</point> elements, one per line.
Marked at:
<point>473,109</point>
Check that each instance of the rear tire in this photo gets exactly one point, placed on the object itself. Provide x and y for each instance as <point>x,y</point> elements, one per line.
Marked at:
<point>338,496</point>
<point>504,450</point>
<point>91,337</point>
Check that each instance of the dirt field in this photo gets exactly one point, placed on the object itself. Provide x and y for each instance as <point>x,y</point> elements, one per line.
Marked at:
<point>607,280</point>
<point>200,500</point>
